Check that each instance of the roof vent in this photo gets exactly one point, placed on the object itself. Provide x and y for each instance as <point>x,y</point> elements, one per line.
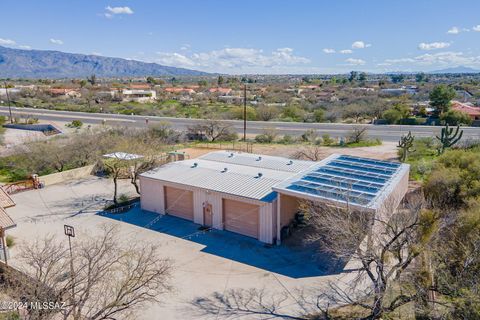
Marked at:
<point>290,163</point>
<point>194,165</point>
<point>259,175</point>
<point>230,155</point>
<point>259,158</point>
<point>224,170</point>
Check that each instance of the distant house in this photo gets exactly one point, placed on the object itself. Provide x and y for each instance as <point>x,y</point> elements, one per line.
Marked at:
<point>141,96</point>
<point>411,90</point>
<point>179,90</point>
<point>3,91</point>
<point>230,99</point>
<point>62,92</point>
<point>222,91</point>
<point>139,86</point>
<point>472,111</point>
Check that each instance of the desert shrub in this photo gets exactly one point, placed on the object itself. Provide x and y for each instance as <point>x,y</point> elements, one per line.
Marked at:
<point>122,198</point>
<point>263,138</point>
<point>455,178</point>
<point>310,136</point>
<point>327,140</point>
<point>454,118</point>
<point>287,139</point>
<point>10,241</point>
<point>75,124</point>
<point>392,116</point>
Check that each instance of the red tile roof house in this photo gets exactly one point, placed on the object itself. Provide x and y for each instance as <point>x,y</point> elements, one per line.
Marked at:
<point>140,86</point>
<point>58,92</point>
<point>473,112</point>
<point>179,90</point>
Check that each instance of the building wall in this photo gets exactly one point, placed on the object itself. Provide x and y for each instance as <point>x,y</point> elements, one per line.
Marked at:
<point>288,208</point>
<point>67,175</point>
<point>152,199</point>
<point>395,195</point>
<point>152,196</point>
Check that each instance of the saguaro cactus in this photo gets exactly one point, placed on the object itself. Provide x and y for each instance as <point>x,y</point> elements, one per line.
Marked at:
<point>448,138</point>
<point>406,145</point>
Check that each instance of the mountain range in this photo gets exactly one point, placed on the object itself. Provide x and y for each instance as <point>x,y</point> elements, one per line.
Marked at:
<point>459,69</point>
<point>17,63</point>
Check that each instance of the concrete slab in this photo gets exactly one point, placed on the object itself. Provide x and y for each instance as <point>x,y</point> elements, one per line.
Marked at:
<point>204,262</point>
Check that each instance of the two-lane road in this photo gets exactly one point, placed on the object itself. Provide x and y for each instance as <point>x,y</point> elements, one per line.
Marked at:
<point>383,132</point>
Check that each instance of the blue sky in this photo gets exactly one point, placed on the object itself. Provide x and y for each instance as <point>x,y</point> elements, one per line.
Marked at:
<point>255,36</point>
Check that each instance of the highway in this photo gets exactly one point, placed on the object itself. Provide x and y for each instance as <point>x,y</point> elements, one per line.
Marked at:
<point>383,132</point>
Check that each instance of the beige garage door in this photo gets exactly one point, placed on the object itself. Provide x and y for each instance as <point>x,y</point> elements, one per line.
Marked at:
<point>241,217</point>
<point>179,202</point>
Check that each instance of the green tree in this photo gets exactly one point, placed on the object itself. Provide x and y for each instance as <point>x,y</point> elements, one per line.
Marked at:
<point>440,97</point>
<point>220,80</point>
<point>151,80</point>
<point>421,77</point>
<point>92,79</point>
<point>319,115</point>
<point>397,78</point>
<point>353,76</point>
<point>362,76</point>
<point>455,118</point>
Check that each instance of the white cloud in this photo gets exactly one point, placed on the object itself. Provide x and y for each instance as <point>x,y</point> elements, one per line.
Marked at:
<point>329,50</point>
<point>355,62</point>
<point>233,59</point>
<point>25,47</point>
<point>185,47</point>
<point>453,30</point>
<point>7,42</point>
<point>111,11</point>
<point>175,59</point>
<point>360,45</point>
<point>440,59</point>
<point>56,41</point>
<point>476,28</point>
<point>433,45</point>
<point>346,51</point>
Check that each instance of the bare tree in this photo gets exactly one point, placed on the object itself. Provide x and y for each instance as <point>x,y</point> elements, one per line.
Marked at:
<point>383,257</point>
<point>312,153</point>
<point>111,278</point>
<point>214,130</point>
<point>357,134</point>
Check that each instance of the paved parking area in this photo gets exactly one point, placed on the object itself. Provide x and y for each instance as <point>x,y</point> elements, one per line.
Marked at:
<point>204,262</point>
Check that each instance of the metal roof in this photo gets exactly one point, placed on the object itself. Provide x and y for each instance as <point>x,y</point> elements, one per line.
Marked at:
<point>123,156</point>
<point>251,181</point>
<point>259,161</point>
<point>345,179</point>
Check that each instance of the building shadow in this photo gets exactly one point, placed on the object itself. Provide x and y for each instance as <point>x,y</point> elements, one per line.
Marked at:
<point>293,262</point>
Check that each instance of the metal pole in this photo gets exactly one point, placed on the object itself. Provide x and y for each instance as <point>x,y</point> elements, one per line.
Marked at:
<point>4,245</point>
<point>245,112</point>
<point>8,100</point>
<point>72,272</point>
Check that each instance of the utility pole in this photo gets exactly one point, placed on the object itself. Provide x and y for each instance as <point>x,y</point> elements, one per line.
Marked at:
<point>8,100</point>
<point>244,112</point>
